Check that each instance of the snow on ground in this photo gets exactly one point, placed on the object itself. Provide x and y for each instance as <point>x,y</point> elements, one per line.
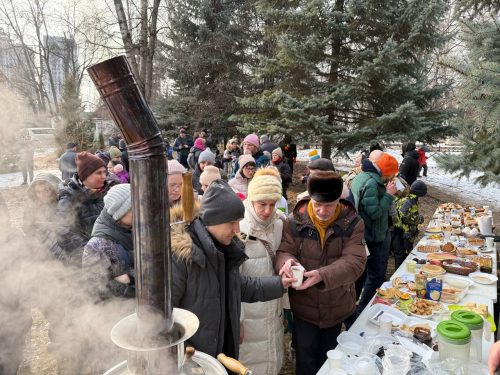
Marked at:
<point>466,188</point>
<point>16,178</point>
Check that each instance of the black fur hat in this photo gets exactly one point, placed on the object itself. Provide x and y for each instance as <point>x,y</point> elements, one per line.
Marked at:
<point>324,186</point>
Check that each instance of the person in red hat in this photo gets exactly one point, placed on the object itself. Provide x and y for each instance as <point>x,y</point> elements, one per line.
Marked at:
<point>373,191</point>
<point>80,203</point>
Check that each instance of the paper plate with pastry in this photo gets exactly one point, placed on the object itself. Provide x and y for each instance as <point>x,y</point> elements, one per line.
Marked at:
<point>432,230</point>
<point>421,308</point>
<point>427,248</point>
<point>483,278</point>
<point>431,269</point>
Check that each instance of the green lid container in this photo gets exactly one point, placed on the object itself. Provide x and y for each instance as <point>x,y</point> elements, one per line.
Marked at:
<point>469,318</point>
<point>454,332</point>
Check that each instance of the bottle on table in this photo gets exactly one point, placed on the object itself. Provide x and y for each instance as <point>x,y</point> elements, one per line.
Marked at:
<point>421,285</point>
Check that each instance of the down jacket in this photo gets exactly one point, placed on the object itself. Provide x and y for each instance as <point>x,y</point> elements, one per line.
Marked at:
<point>262,348</point>
<point>340,263</point>
<point>372,201</point>
<point>77,210</point>
<point>199,285</point>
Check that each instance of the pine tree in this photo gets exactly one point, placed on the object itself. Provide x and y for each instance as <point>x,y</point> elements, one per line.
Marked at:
<point>71,127</point>
<point>350,72</point>
<point>478,98</point>
<point>207,52</point>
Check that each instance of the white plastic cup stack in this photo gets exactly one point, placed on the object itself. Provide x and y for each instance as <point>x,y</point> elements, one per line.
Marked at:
<point>485,224</point>
<point>335,358</point>
<point>385,325</point>
<point>490,242</point>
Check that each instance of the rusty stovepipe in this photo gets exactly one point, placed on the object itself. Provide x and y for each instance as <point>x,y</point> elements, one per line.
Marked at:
<point>148,169</point>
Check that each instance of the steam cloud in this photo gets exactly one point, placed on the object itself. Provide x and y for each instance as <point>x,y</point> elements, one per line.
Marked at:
<point>79,325</point>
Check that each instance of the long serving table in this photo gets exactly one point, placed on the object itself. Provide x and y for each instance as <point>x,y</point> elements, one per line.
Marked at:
<point>479,293</point>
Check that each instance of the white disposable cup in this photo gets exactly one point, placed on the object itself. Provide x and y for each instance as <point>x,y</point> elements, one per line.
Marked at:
<point>485,224</point>
<point>486,208</point>
<point>399,184</point>
<point>446,234</point>
<point>385,325</point>
<point>490,242</point>
<point>298,274</point>
<point>334,359</point>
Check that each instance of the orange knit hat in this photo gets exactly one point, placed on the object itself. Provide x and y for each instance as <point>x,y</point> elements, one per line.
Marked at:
<point>388,165</point>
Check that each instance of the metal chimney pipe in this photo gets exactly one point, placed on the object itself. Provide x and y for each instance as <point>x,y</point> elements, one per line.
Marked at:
<point>148,169</point>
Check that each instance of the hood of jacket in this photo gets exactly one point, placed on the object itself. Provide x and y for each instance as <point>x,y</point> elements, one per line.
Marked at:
<point>408,147</point>
<point>367,166</point>
<point>411,154</point>
<point>49,178</point>
<point>106,227</point>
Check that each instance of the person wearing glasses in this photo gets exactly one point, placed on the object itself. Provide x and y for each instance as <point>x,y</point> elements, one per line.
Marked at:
<point>244,174</point>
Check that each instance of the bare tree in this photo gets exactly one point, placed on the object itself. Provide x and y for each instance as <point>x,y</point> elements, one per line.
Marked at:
<point>139,21</point>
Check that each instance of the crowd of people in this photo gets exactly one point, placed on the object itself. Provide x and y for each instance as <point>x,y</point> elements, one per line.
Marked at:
<point>232,266</point>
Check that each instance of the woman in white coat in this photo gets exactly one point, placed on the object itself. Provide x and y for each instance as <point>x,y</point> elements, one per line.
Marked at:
<point>261,347</point>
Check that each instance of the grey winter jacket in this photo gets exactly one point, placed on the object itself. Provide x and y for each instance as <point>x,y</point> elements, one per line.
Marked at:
<point>199,285</point>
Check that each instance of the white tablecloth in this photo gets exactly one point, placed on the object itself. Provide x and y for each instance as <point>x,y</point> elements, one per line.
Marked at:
<point>483,294</point>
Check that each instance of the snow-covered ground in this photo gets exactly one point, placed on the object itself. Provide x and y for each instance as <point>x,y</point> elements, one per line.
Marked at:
<point>16,178</point>
<point>467,189</point>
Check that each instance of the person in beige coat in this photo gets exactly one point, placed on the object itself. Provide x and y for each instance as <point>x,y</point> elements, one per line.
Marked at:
<point>261,330</point>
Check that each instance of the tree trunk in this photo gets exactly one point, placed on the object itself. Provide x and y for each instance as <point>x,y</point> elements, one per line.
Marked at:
<point>143,45</point>
<point>151,50</point>
<point>326,148</point>
<point>130,49</point>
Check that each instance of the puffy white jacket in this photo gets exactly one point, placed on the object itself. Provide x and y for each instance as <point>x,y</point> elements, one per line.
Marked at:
<point>262,348</point>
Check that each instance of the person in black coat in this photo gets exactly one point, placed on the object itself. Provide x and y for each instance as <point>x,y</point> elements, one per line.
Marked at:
<point>182,145</point>
<point>123,148</point>
<point>409,166</point>
<point>67,162</point>
<point>266,144</point>
<point>80,203</point>
<point>285,172</point>
<point>289,151</point>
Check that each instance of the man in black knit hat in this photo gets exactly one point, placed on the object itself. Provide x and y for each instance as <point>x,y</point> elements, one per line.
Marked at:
<point>205,272</point>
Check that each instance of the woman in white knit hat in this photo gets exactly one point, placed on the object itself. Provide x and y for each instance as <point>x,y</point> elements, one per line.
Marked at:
<point>261,229</point>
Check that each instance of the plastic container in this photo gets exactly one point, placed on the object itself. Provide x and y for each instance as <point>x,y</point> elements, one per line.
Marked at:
<point>454,340</point>
<point>350,343</point>
<point>475,324</point>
